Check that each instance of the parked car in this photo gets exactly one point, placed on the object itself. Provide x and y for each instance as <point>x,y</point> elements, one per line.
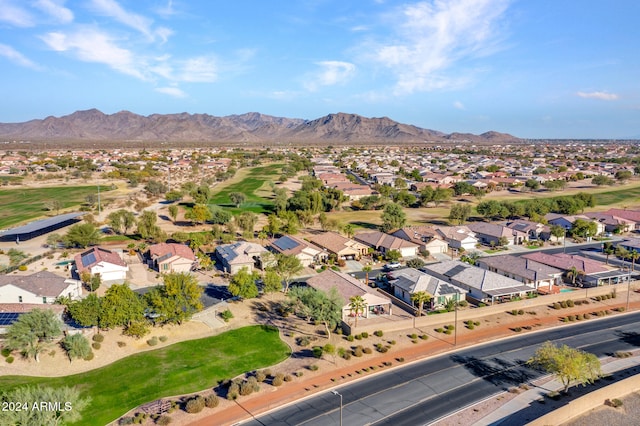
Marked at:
<point>391,266</point>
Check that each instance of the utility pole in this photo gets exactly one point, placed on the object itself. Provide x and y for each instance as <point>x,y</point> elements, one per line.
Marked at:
<point>335,392</point>
<point>99,208</point>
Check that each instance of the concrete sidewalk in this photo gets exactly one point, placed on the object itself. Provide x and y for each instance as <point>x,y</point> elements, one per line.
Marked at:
<point>529,399</point>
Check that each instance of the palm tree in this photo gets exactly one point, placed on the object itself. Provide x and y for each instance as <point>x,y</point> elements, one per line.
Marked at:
<point>366,269</point>
<point>574,273</point>
<point>634,255</point>
<point>357,305</point>
<point>608,251</point>
<point>420,297</point>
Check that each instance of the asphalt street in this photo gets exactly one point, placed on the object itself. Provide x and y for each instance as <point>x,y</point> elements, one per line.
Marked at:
<point>422,392</point>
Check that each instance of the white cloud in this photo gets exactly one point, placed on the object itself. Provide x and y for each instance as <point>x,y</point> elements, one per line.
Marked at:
<point>91,45</point>
<point>433,36</point>
<point>56,9</point>
<point>459,105</point>
<point>15,15</point>
<point>167,10</point>
<point>171,91</point>
<point>330,74</point>
<point>603,96</point>
<point>16,57</point>
<point>202,69</point>
<point>133,20</point>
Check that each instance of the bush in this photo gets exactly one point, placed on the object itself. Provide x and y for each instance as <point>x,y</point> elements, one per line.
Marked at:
<point>365,335</point>
<point>450,327</point>
<point>153,341</point>
<point>622,354</point>
<point>570,303</point>
<point>260,376</point>
<point>357,351</point>
<point>447,331</point>
<point>314,367</point>
<point>288,378</point>
<point>424,336</point>
<point>439,330</point>
<point>615,402</point>
<point>233,391</point>
<point>517,329</point>
<point>463,303</point>
<point>125,421</point>
<point>89,357</point>
<point>9,359</point>
<point>303,341</point>
<point>317,351</point>
<point>98,338</point>
<point>22,268</point>
<point>350,337</point>
<point>358,336</point>
<point>556,306</point>
<point>211,401</point>
<point>378,333</point>
<point>477,323</point>
<point>514,312</point>
<point>226,315</point>
<point>563,304</point>
<point>367,350</point>
<point>139,418</point>
<point>520,312</point>
<point>278,380</point>
<point>163,420</point>
<point>96,345</point>
<point>413,336</point>
<point>194,405</point>
<point>5,352</point>
<point>249,386</point>
<point>392,342</point>
<point>122,344</point>
<point>163,338</point>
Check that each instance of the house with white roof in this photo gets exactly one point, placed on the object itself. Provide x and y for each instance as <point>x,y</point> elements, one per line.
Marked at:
<point>39,288</point>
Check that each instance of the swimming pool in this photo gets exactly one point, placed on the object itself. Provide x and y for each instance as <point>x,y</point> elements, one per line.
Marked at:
<point>567,290</point>
<point>64,263</point>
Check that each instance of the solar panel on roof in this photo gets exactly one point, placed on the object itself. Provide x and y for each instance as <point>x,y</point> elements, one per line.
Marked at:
<point>285,243</point>
<point>8,318</point>
<point>88,259</point>
<point>454,271</point>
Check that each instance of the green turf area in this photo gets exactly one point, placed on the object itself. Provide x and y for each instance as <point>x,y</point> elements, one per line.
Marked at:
<point>21,205</point>
<point>628,196</point>
<point>254,184</point>
<point>178,369</point>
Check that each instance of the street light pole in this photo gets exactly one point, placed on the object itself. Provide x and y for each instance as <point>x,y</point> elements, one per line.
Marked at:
<point>335,392</point>
<point>455,322</point>
<point>628,289</point>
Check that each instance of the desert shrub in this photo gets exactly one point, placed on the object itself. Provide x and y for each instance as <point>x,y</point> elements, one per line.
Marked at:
<point>357,351</point>
<point>5,352</point>
<point>365,335</point>
<point>463,303</point>
<point>383,349</point>
<point>358,336</point>
<point>163,420</point>
<point>233,391</point>
<point>439,330</point>
<point>367,350</point>
<point>477,323</point>
<point>288,378</point>
<point>556,306</point>
<point>570,303</point>
<point>299,373</point>
<point>163,338</point>
<point>121,344</point>
<point>598,298</point>
<point>98,338</point>
<point>392,342</point>
<point>400,359</point>
<point>413,336</point>
<point>96,345</point>
<point>620,309</point>
<point>249,386</point>
<point>447,331</point>
<point>194,405</point>
<point>260,376</point>
<point>481,305</point>
<point>125,421</point>
<point>278,380</point>
<point>517,329</point>
<point>314,367</point>
<point>153,341</point>
<point>450,327</point>
<point>350,338</point>
<point>563,304</point>
<point>520,312</point>
<point>211,401</point>
<point>22,268</point>
<point>226,315</point>
<point>378,333</point>
<point>586,316</point>
<point>424,336</point>
<point>622,354</point>
<point>514,312</point>
<point>303,341</point>
<point>615,402</point>
<point>317,351</point>
<point>9,359</point>
<point>571,318</point>
<point>89,357</point>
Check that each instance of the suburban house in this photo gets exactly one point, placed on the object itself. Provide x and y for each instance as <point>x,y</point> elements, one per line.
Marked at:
<point>490,234</point>
<point>458,237</point>
<point>631,215</point>
<point>171,257</point>
<point>10,312</point>
<point>482,285</point>
<point>384,243</point>
<point>406,282</point>
<point>425,236</point>
<point>242,254</point>
<point>348,287</point>
<point>39,288</point>
<point>306,252</point>
<point>534,230</point>
<point>339,246</point>
<point>527,271</point>
<point>612,223</point>
<point>99,261</point>
<point>589,272</point>
<point>566,221</point>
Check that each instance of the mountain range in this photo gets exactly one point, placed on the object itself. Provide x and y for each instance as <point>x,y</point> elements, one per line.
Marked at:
<point>253,127</point>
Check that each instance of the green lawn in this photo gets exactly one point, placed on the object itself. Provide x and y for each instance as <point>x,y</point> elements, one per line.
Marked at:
<point>20,205</point>
<point>254,184</point>
<point>181,368</point>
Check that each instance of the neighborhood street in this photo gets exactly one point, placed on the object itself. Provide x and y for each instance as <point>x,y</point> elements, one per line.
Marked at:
<point>427,390</point>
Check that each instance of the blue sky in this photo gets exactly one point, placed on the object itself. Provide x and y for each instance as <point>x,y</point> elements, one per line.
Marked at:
<point>532,68</point>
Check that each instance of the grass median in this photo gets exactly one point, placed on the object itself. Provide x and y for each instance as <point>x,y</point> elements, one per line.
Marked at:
<point>177,369</point>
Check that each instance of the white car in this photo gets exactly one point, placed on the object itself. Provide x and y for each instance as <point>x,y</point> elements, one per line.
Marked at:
<point>392,265</point>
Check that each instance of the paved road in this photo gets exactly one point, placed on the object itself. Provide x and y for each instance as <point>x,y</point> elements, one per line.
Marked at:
<point>422,392</point>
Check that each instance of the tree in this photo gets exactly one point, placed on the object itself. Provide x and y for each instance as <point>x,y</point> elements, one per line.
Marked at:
<point>76,346</point>
<point>94,282</point>
<point>243,284</point>
<point>16,256</point>
<point>199,214</point>
<point>220,216</point>
<point>393,217</point>
<point>271,281</point>
<point>54,204</point>
<point>569,365</point>
<point>173,212</point>
<point>608,249</point>
<point>503,241</point>
<point>584,228</point>
<point>573,273</point>
<point>557,231</point>
<point>173,196</point>
<point>366,269</point>
<point>634,255</point>
<point>53,240</point>
<point>602,180</point>
<point>33,332</point>
<point>420,298</point>
<point>201,194</point>
<point>121,306</point>
<point>357,305</point>
<point>247,221</point>
<point>70,412</point>
<point>287,266</point>
<point>459,213</point>
<point>393,255</point>
<point>623,175</point>
<point>83,235</point>
<point>416,263</point>
<point>87,311</point>
<point>177,299</point>
<point>155,188</point>
<point>325,308</point>
<point>237,198</point>
<point>147,227</point>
